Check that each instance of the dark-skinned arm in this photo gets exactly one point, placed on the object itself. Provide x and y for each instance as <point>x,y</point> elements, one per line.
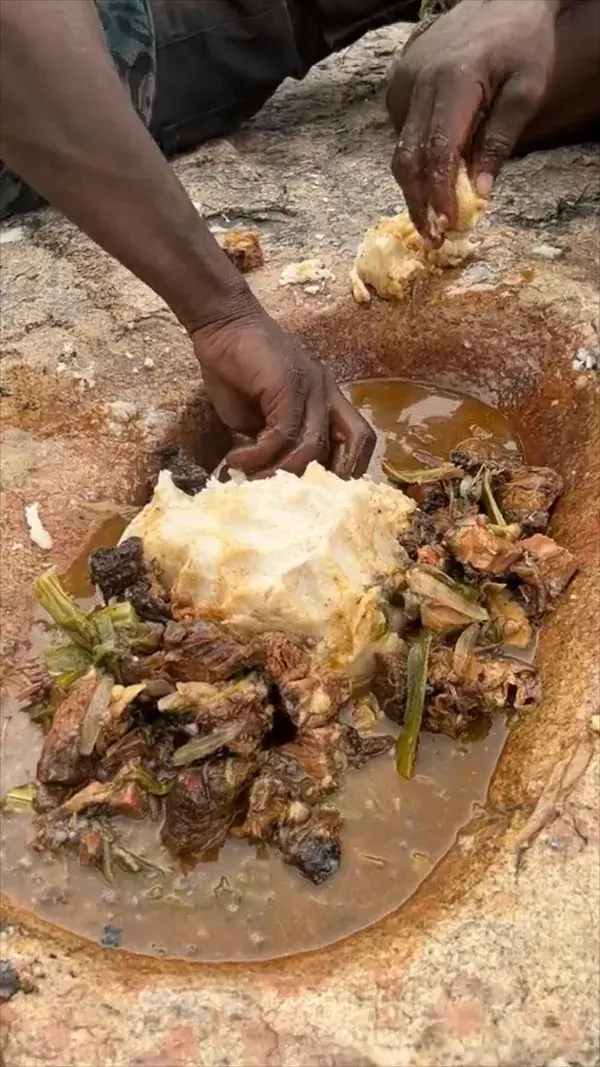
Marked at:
<point>69,130</point>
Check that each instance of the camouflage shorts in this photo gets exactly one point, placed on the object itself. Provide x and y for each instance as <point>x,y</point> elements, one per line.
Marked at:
<point>129,33</point>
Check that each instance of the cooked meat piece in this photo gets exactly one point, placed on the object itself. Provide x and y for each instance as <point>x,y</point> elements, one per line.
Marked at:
<point>133,747</point>
<point>421,532</point>
<point>388,684</point>
<point>485,687</point>
<point>527,494</point>
<point>360,748</point>
<point>546,569</point>
<point>511,623</point>
<point>282,792</point>
<point>238,712</point>
<point>327,751</point>
<point>114,570</point>
<point>477,452</point>
<point>444,604</point>
<point>242,247</point>
<point>121,574</point>
<point>119,715</point>
<point>186,474</point>
<point>120,798</point>
<point>61,762</point>
<point>295,777</point>
<point>280,658</point>
<point>57,830</point>
<point>202,651</point>
<point>203,803</point>
<point>455,711</point>
<point>313,847</point>
<point>91,848</point>
<point>149,605</point>
<point>474,545</point>
<point>317,698</point>
<point>431,556</point>
<point>48,797</point>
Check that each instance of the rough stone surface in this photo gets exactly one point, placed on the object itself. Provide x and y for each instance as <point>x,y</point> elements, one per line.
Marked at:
<point>509,974</point>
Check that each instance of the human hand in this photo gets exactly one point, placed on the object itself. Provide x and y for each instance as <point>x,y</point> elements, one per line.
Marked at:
<point>263,384</point>
<point>467,87</point>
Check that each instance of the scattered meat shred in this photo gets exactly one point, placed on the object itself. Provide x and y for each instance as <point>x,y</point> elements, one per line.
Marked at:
<point>230,734</point>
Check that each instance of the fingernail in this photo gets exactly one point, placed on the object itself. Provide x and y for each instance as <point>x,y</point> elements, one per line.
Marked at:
<point>483,184</point>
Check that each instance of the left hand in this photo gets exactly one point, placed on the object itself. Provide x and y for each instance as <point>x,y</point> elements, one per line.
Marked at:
<point>264,385</point>
<point>467,87</point>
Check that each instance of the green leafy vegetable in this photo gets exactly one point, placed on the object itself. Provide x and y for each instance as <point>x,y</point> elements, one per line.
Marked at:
<point>19,798</point>
<point>64,611</point>
<point>148,783</point>
<point>95,714</point>
<point>491,507</point>
<point>100,638</point>
<point>67,663</point>
<point>416,682</point>
<point>200,747</point>
<point>420,477</point>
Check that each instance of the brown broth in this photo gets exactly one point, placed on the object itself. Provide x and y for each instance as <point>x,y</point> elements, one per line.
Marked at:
<point>418,426</point>
<point>245,904</point>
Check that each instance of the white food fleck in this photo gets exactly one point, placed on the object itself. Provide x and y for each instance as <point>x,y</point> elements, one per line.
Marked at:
<point>307,272</point>
<point>39,535</point>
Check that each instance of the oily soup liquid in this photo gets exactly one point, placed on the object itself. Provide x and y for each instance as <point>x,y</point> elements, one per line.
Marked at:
<point>246,902</point>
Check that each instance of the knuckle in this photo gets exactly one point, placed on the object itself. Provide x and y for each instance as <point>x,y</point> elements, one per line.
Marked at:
<point>406,159</point>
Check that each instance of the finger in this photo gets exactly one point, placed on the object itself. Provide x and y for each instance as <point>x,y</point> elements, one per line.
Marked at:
<point>455,112</point>
<point>399,94</point>
<point>283,412</point>
<point>514,106</point>
<point>314,438</point>
<point>406,162</point>
<point>352,439</point>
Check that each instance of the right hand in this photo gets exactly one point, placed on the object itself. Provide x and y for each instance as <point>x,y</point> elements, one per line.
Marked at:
<point>467,87</point>
<point>264,385</point>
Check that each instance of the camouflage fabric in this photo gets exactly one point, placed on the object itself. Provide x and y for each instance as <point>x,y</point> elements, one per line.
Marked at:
<point>129,33</point>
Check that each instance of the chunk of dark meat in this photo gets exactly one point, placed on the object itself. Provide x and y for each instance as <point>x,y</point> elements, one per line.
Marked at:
<point>326,752</point>
<point>132,748</point>
<point>186,474</point>
<point>527,494</point>
<point>282,792</point>
<point>280,658</point>
<point>231,715</point>
<point>421,532</point>
<point>48,798</point>
<point>314,848</point>
<point>148,601</point>
<point>475,545</point>
<point>114,570</point>
<point>202,651</point>
<point>479,452</point>
<point>484,687</point>
<point>61,762</point>
<point>317,698</point>
<point>546,569</point>
<point>388,684</point>
<point>203,804</point>
<point>121,574</point>
<point>58,830</point>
